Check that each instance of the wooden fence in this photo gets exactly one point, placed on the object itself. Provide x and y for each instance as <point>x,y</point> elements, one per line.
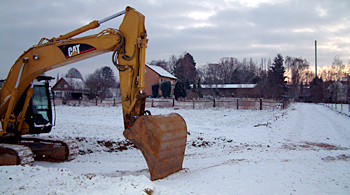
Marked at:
<point>252,104</point>
<point>343,108</point>
<point>94,102</point>
<point>246,103</point>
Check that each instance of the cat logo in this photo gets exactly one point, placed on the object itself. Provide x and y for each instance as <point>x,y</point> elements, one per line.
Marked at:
<point>72,50</point>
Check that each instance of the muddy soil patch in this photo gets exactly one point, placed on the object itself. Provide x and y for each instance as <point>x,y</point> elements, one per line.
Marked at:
<point>312,146</point>
<point>201,142</point>
<point>335,158</point>
<point>91,145</point>
<point>116,146</point>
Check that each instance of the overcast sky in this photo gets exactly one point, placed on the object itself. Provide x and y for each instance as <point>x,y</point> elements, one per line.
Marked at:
<point>207,29</point>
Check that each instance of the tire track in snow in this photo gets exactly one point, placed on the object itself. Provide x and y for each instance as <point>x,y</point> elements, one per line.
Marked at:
<point>340,123</point>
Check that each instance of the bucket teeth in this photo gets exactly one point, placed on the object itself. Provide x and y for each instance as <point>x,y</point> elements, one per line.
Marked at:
<point>162,141</point>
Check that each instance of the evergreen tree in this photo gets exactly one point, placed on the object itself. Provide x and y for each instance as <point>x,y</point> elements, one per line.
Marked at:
<point>74,73</point>
<point>317,90</point>
<point>185,69</point>
<point>276,85</point>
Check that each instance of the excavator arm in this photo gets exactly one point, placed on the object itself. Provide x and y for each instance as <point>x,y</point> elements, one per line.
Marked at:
<point>50,55</point>
<point>162,139</point>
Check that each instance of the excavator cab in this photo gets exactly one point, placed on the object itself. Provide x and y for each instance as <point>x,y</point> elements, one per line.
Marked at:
<point>39,112</point>
<point>38,117</point>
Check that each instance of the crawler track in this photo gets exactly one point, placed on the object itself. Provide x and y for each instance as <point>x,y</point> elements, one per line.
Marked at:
<point>50,149</point>
<point>12,154</point>
<point>43,149</point>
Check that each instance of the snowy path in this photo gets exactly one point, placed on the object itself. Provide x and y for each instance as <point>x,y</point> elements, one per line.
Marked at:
<point>302,150</point>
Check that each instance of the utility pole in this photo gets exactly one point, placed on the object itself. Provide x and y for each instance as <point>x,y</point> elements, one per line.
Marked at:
<point>315,58</point>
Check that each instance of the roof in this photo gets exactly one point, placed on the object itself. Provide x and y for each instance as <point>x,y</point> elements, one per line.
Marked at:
<point>228,86</point>
<point>76,83</point>
<point>159,70</point>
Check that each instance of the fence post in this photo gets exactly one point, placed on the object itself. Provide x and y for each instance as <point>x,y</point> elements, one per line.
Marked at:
<point>237,104</point>
<point>173,102</point>
<point>152,103</point>
<point>193,104</point>
<point>214,103</point>
<point>96,100</point>
<point>113,101</point>
<point>260,103</point>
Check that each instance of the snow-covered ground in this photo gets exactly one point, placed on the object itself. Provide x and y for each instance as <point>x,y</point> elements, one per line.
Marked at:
<point>304,149</point>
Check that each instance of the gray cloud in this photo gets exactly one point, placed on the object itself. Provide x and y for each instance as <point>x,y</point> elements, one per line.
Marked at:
<point>207,29</point>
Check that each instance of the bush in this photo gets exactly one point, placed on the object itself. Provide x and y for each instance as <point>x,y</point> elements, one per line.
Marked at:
<point>155,90</point>
<point>179,90</point>
<point>166,88</point>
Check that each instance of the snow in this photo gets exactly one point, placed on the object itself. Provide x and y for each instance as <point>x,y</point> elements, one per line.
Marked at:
<point>76,83</point>
<point>301,150</point>
<point>159,70</point>
<point>229,86</point>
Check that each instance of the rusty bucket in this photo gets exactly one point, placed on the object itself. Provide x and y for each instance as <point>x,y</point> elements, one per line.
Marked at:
<point>162,141</point>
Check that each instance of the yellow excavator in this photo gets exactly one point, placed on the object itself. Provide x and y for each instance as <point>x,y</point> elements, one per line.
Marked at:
<point>25,105</point>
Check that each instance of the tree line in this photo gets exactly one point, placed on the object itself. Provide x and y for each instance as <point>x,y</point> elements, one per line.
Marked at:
<point>278,78</point>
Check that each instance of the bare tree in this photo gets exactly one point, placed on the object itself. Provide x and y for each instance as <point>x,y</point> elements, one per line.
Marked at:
<point>298,68</point>
<point>171,63</point>
<point>101,81</point>
<point>230,70</point>
<point>160,63</point>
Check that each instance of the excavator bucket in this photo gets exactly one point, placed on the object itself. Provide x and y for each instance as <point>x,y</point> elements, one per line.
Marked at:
<point>162,141</point>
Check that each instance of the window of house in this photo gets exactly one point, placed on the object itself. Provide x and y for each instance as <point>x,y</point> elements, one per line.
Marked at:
<point>58,93</point>
<point>65,86</point>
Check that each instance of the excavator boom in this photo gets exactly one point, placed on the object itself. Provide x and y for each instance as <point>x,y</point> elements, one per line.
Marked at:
<point>162,139</point>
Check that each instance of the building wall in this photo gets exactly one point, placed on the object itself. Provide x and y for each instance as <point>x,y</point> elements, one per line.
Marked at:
<point>152,77</point>
<point>61,89</point>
